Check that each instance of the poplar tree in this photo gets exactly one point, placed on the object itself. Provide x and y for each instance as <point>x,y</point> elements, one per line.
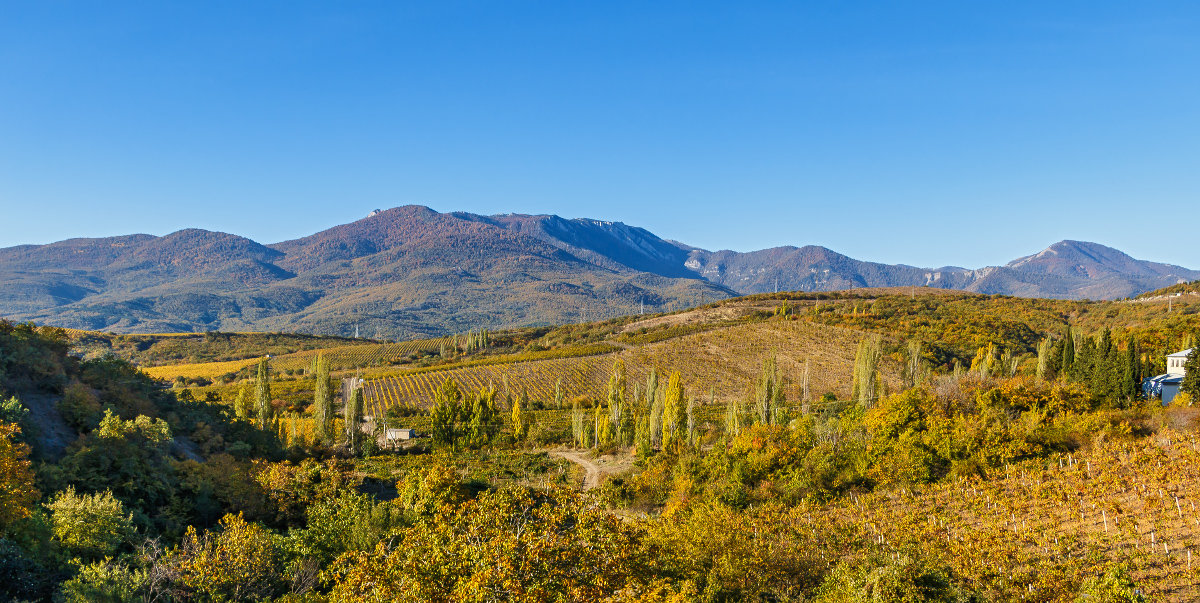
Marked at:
<point>262,395</point>
<point>769,397</point>
<point>241,404</point>
<point>577,421</point>
<point>323,400</point>
<point>674,410</point>
<point>444,416</point>
<point>654,408</point>
<point>558,394</point>
<point>733,418</point>
<point>1043,352</point>
<point>866,364</point>
<point>518,423</point>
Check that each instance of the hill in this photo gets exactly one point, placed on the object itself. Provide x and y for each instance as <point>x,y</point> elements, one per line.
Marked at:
<point>975,460</point>
<point>414,272</point>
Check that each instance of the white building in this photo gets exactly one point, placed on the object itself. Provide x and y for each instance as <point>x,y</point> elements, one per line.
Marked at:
<point>1176,361</point>
<point>1166,386</point>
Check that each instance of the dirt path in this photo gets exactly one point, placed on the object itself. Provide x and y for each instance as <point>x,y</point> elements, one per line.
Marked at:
<point>592,479</point>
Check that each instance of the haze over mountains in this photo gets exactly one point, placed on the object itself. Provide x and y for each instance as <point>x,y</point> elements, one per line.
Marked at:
<point>412,271</point>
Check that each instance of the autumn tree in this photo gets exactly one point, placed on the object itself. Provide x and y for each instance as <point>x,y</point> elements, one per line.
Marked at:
<point>865,381</point>
<point>237,562</point>
<point>90,526</point>
<point>444,416</point>
<point>17,491</point>
<point>674,410</point>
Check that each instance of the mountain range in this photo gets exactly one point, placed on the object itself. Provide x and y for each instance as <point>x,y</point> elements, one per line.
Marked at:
<point>411,271</point>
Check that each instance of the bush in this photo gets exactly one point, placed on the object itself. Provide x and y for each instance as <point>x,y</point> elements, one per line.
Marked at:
<point>1114,586</point>
<point>89,526</point>
<point>80,407</point>
<point>103,582</point>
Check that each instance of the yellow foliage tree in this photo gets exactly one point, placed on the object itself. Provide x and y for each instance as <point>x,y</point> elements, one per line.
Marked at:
<point>239,562</point>
<point>17,492</point>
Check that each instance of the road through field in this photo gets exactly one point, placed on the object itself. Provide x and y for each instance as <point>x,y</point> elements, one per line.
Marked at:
<point>592,479</point>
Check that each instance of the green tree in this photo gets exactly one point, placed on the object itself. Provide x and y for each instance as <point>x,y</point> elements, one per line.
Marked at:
<point>90,526</point>
<point>1191,378</point>
<point>353,413</point>
<point>865,382</point>
<point>674,410</point>
<point>241,404</point>
<point>323,400</point>
<point>444,416</point>
<point>262,395</point>
<point>483,418</point>
<point>1068,356</point>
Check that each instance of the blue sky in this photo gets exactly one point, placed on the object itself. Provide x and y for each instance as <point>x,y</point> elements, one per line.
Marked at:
<point>922,133</point>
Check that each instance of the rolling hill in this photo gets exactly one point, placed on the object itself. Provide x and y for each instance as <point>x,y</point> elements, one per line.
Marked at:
<point>414,272</point>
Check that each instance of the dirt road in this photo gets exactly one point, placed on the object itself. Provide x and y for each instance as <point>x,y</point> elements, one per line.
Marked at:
<point>592,479</point>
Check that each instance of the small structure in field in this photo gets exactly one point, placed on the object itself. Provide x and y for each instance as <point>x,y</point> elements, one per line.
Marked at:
<point>395,436</point>
<point>1166,386</point>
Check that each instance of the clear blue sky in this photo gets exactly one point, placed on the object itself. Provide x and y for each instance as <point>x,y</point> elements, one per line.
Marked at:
<point>924,133</point>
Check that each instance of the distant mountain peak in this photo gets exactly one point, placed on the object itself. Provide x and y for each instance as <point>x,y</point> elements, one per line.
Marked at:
<point>412,270</point>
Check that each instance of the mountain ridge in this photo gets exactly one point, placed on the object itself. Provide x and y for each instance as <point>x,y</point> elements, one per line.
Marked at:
<point>412,271</point>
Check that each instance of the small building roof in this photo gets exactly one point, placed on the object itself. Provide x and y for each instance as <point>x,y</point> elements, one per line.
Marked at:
<point>1167,379</point>
<point>1183,354</point>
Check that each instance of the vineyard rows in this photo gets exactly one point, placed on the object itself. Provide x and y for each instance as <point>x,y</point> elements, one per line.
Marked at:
<point>726,361</point>
<point>1039,525</point>
<point>340,358</point>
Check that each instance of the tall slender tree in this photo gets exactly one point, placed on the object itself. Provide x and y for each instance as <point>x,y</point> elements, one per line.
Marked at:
<point>323,399</point>
<point>262,395</point>
<point>1043,362</point>
<point>865,383</point>
<point>353,417</point>
<point>443,418</point>
<point>1068,357</point>
<point>674,410</point>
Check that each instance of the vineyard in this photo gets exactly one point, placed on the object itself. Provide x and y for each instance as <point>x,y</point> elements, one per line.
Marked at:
<point>722,361</point>
<point>341,358</point>
<point>1042,525</point>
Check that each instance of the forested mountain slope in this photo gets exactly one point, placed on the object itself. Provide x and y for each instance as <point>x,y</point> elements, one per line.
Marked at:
<point>411,271</point>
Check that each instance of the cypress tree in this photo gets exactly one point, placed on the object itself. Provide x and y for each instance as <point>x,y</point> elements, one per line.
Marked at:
<point>691,422</point>
<point>1191,377</point>
<point>323,400</point>
<point>1129,375</point>
<point>353,416</point>
<point>1068,357</point>
<point>262,395</point>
